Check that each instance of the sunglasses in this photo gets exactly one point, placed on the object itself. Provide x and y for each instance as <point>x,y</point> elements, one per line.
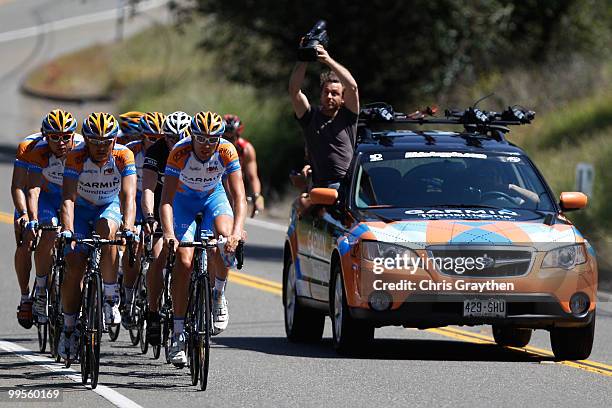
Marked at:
<point>59,137</point>
<point>100,142</point>
<point>206,139</point>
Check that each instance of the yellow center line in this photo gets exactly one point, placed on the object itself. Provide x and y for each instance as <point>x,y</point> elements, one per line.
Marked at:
<point>6,217</point>
<point>464,335</point>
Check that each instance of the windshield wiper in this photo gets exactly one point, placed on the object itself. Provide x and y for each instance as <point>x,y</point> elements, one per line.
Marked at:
<point>380,217</point>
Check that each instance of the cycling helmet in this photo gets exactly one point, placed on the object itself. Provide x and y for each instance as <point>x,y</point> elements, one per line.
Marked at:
<point>177,123</point>
<point>207,123</point>
<point>58,121</point>
<point>233,124</point>
<point>152,123</point>
<point>100,124</point>
<point>130,123</point>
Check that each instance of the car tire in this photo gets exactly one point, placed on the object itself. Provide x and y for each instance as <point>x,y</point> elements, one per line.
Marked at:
<point>511,336</point>
<point>349,335</point>
<point>302,324</point>
<point>573,343</point>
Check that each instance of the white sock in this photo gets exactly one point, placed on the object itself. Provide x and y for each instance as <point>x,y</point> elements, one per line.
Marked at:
<point>220,285</point>
<point>179,326</point>
<point>69,321</point>
<point>41,282</point>
<point>111,292</point>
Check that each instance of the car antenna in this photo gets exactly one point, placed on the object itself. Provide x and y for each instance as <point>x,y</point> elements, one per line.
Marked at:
<point>482,99</point>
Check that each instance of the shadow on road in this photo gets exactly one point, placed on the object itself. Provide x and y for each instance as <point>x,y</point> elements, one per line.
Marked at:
<point>386,349</point>
<point>7,153</point>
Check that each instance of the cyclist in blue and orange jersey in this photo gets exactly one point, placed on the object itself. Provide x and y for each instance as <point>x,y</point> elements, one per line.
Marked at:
<point>99,181</point>
<point>44,197</point>
<point>193,183</point>
<point>248,160</point>
<point>56,121</point>
<point>151,124</point>
<point>176,127</point>
<point>129,127</point>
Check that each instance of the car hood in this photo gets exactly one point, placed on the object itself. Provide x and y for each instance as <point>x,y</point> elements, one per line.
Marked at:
<point>421,233</point>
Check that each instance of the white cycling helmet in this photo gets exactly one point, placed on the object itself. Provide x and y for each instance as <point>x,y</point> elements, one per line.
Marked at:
<point>177,123</point>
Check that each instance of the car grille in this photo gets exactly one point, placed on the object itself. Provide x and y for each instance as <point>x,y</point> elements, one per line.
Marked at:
<point>498,262</point>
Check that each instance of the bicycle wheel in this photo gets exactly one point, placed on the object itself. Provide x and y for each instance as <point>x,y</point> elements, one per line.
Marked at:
<point>191,330</point>
<point>113,331</point>
<point>95,326</point>
<point>54,315</point>
<point>41,328</point>
<point>84,320</point>
<point>142,331</point>
<point>134,336</point>
<point>204,331</point>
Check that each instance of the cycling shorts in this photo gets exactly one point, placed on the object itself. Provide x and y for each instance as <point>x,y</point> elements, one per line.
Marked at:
<point>48,208</point>
<point>186,208</point>
<point>86,218</point>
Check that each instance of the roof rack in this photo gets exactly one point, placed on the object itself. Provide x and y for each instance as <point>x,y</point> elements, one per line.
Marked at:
<point>483,124</point>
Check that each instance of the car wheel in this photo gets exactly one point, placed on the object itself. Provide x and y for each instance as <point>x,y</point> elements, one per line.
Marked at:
<point>349,335</point>
<point>511,336</point>
<point>573,343</point>
<point>302,324</point>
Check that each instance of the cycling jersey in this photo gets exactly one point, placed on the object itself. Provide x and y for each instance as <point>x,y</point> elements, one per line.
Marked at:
<point>200,187</point>
<point>24,147</point>
<point>155,160</point>
<point>98,185</point>
<point>138,148</point>
<point>44,162</point>
<point>198,178</point>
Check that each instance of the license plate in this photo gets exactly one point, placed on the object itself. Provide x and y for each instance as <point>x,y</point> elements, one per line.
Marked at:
<point>484,308</point>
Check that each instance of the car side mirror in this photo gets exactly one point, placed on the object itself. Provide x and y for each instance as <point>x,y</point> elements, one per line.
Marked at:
<point>323,196</point>
<point>571,201</point>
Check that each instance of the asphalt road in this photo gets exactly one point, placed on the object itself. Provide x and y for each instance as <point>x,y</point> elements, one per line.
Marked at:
<point>252,362</point>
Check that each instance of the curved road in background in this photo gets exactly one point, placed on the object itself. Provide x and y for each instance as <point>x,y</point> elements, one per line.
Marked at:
<point>252,363</point>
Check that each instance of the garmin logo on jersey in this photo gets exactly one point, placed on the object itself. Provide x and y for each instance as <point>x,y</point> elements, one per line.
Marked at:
<point>102,184</point>
<point>198,180</point>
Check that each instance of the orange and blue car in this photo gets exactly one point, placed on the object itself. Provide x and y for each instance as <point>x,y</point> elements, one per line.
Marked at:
<point>437,228</point>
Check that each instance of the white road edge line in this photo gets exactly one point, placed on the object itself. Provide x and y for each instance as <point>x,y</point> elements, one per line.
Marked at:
<point>266,224</point>
<point>72,22</point>
<point>109,394</point>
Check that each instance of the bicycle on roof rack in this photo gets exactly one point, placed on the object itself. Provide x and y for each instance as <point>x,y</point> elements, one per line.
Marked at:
<point>377,118</point>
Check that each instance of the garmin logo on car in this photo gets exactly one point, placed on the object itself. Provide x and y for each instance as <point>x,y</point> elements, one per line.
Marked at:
<point>501,214</point>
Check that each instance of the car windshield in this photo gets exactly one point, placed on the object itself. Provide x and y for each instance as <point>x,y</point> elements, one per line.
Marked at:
<point>461,179</point>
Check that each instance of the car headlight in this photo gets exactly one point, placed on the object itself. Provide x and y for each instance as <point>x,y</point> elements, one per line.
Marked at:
<point>566,258</point>
<point>372,249</point>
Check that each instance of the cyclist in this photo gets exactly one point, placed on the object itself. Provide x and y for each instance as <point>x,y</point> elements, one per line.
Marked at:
<point>248,160</point>
<point>129,127</point>
<point>98,175</point>
<point>151,131</point>
<point>175,128</point>
<point>45,177</point>
<point>193,183</point>
<point>55,121</point>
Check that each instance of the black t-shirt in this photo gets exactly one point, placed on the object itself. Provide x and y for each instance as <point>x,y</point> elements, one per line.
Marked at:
<point>330,143</point>
<point>155,160</point>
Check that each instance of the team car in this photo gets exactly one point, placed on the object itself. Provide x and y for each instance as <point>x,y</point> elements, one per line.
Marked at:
<point>433,228</point>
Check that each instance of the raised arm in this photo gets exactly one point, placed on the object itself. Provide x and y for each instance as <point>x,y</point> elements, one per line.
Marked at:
<point>298,99</point>
<point>351,93</point>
